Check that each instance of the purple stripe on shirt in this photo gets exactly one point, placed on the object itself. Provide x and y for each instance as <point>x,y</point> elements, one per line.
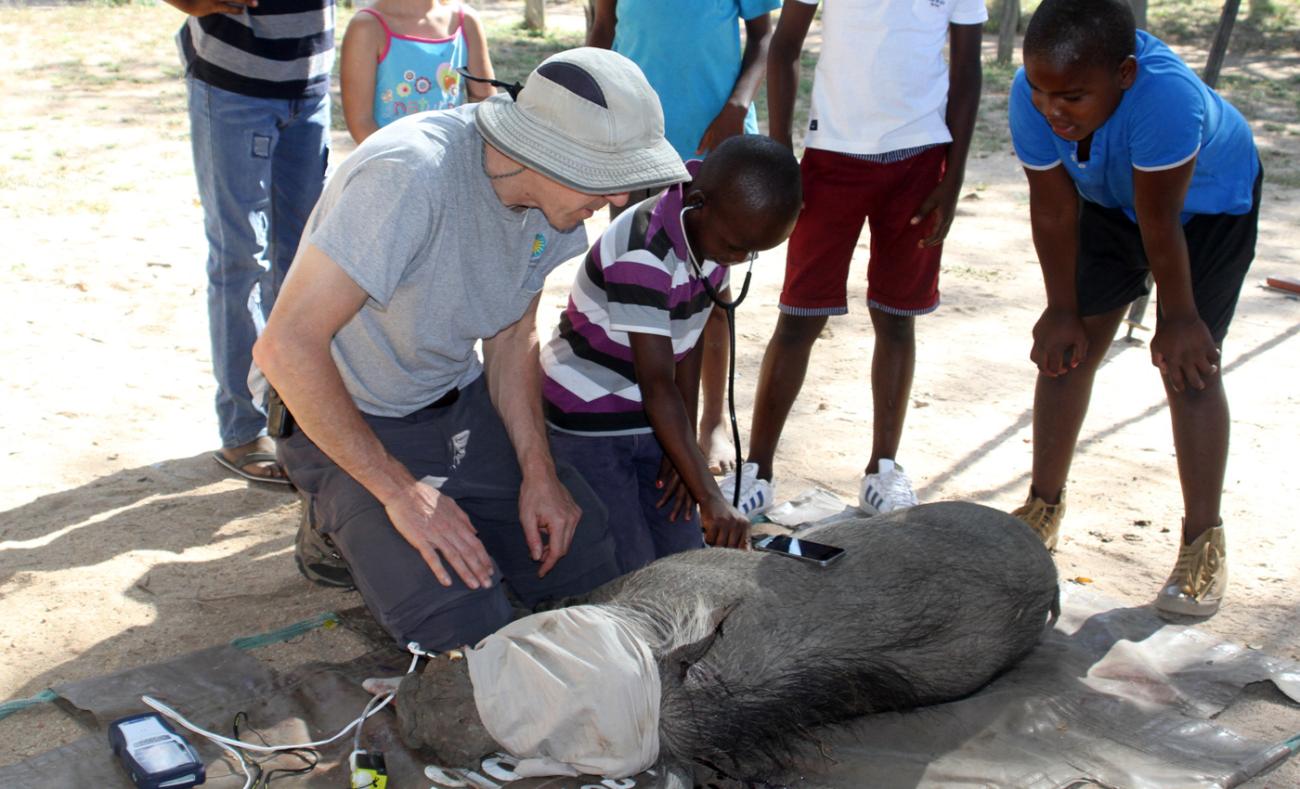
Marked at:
<point>570,403</point>
<point>627,272</point>
<point>667,212</point>
<point>595,334</point>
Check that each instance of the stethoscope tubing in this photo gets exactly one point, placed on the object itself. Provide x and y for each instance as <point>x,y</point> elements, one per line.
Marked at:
<point>729,308</point>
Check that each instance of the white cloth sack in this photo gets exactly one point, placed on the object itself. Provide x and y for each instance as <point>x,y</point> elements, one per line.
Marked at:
<point>568,692</point>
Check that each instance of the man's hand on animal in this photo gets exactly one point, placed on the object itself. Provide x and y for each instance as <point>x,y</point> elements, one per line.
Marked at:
<point>549,516</point>
<point>439,529</point>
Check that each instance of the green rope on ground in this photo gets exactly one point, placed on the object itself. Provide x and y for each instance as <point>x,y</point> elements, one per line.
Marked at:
<point>326,620</point>
<point>10,707</point>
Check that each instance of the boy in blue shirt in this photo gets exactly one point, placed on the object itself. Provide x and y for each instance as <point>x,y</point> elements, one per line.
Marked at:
<point>1134,166</point>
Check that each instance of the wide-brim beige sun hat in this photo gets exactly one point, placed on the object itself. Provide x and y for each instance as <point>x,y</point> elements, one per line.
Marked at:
<point>588,119</point>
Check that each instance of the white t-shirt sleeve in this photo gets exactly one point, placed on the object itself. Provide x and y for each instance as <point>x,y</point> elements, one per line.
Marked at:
<point>968,12</point>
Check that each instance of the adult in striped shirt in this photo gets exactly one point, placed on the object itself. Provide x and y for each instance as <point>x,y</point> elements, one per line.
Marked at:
<point>621,374</point>
<point>258,76</point>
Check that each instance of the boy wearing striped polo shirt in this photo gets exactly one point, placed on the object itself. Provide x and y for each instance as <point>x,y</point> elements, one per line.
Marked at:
<point>621,374</point>
<point>258,78</point>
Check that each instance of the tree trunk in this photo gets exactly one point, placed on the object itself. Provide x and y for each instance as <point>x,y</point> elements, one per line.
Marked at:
<point>589,11</point>
<point>535,14</point>
<point>1007,30</point>
<point>1219,47</point>
<point>1139,13</point>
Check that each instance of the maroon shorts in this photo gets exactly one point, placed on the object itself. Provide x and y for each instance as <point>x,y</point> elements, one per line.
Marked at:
<point>839,193</point>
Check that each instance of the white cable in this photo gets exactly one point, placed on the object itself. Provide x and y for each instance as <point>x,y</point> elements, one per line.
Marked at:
<point>248,774</point>
<point>230,743</point>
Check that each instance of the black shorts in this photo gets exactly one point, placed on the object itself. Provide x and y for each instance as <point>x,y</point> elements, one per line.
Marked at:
<point>1113,267</point>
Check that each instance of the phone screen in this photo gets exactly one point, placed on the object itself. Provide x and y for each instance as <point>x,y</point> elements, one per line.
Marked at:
<point>801,549</point>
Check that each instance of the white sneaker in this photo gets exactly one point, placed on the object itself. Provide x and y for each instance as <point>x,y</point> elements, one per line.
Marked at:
<point>887,490</point>
<point>755,494</point>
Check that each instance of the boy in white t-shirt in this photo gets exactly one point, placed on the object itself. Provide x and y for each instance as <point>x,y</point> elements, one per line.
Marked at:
<point>887,138</point>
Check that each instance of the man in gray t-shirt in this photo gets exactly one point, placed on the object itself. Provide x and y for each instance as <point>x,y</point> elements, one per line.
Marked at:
<point>425,469</point>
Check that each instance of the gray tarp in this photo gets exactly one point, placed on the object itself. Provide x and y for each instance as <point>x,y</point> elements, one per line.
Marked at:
<point>1113,696</point>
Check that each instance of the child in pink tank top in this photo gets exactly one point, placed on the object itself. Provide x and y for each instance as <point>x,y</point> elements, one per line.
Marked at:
<point>399,57</point>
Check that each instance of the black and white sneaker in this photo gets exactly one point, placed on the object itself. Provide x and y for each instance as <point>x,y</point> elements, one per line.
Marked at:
<point>885,491</point>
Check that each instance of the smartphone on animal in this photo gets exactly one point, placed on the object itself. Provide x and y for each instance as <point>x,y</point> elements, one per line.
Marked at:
<point>807,550</point>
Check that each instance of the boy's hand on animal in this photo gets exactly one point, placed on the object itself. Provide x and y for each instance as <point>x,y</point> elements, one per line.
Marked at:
<point>940,205</point>
<point>724,525</point>
<point>1060,342</point>
<point>439,529</point>
<point>1185,352</point>
<point>674,490</point>
<point>728,123</point>
<point>545,507</point>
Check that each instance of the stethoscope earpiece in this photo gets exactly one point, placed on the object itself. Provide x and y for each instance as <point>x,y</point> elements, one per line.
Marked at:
<point>728,307</point>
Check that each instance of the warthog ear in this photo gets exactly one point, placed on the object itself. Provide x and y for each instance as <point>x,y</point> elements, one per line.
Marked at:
<point>679,661</point>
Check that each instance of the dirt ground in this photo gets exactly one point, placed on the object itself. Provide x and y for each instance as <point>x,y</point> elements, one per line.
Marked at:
<point>122,542</point>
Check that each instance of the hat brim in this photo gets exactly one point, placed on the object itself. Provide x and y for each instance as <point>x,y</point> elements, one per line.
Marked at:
<point>571,163</point>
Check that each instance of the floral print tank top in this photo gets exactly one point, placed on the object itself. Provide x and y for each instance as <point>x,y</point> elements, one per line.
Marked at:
<point>418,74</point>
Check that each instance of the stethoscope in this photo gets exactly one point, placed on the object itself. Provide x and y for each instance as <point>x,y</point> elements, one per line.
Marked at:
<point>728,307</point>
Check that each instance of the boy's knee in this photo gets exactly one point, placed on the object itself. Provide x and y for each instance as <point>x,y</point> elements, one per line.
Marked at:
<point>894,328</point>
<point>1212,396</point>
<point>798,329</point>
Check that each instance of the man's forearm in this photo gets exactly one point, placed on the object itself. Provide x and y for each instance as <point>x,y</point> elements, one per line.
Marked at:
<point>783,69</point>
<point>310,385</point>
<point>965,83</point>
<point>603,23</point>
<point>1166,248</point>
<point>753,62</point>
<point>782,82</point>
<point>514,377</point>
<point>1158,198</point>
<point>1056,241</point>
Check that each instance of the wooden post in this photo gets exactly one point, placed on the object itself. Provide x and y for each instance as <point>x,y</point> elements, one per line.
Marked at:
<point>1139,13</point>
<point>535,14</point>
<point>1219,47</point>
<point>1007,25</point>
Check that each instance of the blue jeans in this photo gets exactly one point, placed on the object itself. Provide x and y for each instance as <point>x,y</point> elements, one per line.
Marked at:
<point>622,471</point>
<point>260,165</point>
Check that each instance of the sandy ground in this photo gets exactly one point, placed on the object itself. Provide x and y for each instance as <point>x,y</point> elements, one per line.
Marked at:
<point>122,542</point>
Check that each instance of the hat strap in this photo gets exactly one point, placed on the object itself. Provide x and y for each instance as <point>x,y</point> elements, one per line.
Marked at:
<point>512,89</point>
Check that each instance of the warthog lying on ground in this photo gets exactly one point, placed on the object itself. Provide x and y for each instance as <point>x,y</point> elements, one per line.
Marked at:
<point>754,651</point>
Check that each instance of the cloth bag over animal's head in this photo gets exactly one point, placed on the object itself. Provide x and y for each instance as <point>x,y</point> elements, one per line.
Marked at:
<point>568,692</point>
